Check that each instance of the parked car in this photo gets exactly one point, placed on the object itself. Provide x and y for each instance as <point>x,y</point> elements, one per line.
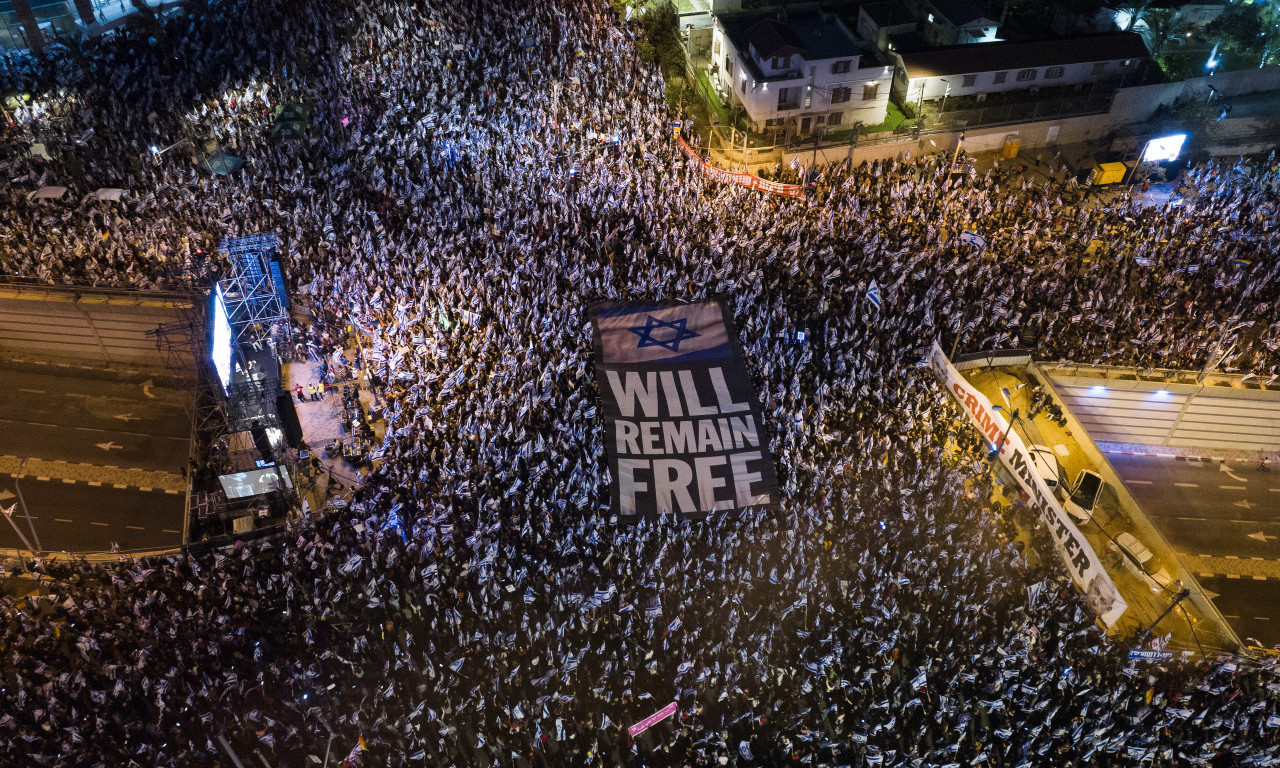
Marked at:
<point>1142,563</point>
<point>1084,496</point>
<point>1047,466</point>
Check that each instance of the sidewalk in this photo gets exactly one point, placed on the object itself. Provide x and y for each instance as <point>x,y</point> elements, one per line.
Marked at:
<point>322,424</point>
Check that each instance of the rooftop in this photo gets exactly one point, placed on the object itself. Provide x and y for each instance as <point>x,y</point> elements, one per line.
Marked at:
<point>960,12</point>
<point>990,57</point>
<point>815,35</point>
<point>889,13</point>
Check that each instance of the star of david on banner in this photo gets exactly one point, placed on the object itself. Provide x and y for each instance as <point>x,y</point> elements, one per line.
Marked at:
<point>647,338</point>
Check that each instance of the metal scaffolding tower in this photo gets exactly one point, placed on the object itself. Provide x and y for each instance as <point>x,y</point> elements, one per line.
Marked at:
<point>254,298</point>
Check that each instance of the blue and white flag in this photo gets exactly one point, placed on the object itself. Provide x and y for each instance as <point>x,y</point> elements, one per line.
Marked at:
<point>744,749</point>
<point>873,295</point>
<point>973,238</point>
<point>456,665</point>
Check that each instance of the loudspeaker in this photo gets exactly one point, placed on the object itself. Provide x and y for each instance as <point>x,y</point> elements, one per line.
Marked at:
<point>289,418</point>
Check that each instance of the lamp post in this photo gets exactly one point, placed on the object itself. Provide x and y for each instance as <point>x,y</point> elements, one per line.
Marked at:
<point>1000,445</point>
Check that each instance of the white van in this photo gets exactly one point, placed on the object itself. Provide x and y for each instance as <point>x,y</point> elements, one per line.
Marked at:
<point>1047,466</point>
<point>1084,496</point>
<point>1141,563</point>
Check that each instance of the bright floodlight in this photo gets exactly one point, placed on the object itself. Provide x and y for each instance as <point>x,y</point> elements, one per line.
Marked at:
<point>1164,148</point>
<point>222,338</point>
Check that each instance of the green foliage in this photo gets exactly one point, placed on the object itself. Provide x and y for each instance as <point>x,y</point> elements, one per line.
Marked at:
<point>1239,28</point>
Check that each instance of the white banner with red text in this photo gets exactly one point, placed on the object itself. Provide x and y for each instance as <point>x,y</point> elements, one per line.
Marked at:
<point>742,179</point>
<point>1080,559</point>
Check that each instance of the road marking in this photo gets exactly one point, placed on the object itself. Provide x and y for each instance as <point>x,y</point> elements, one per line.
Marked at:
<point>1232,557</point>
<point>1244,504</point>
<point>135,528</point>
<point>1227,470</point>
<point>146,488</point>
<point>42,479</point>
<point>32,391</point>
<point>168,530</point>
<point>1260,536</point>
<point>1233,575</point>
<point>95,483</point>
<point>1259,578</point>
<point>1187,485</point>
<point>1233,488</point>
<point>104,525</point>
<point>68,481</point>
<point>1205,575</point>
<point>1192,518</point>
<point>60,520</point>
<point>122,487</point>
<point>1262,618</point>
<point>1138,482</point>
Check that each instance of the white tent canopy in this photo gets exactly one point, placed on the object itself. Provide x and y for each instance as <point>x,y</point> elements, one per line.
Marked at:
<point>106,193</point>
<point>51,193</point>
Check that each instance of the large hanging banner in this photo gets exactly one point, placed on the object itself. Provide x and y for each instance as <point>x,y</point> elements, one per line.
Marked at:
<point>1081,561</point>
<point>684,430</point>
<point>748,180</point>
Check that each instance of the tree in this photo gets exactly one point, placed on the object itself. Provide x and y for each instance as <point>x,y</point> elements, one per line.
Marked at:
<point>1159,27</point>
<point>1129,12</point>
<point>1240,28</point>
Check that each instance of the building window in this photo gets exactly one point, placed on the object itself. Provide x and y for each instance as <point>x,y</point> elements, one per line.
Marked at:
<point>781,62</point>
<point>1099,67</point>
<point>840,67</point>
<point>835,118</point>
<point>1053,73</point>
<point>774,121</point>
<point>869,91</point>
<point>970,81</point>
<point>999,78</point>
<point>841,95</point>
<point>782,98</point>
<point>1026,75</point>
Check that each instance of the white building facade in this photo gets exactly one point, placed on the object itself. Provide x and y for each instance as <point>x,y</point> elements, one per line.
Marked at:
<point>969,70</point>
<point>801,71</point>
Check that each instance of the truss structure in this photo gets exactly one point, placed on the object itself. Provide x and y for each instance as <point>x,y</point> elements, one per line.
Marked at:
<point>254,304</point>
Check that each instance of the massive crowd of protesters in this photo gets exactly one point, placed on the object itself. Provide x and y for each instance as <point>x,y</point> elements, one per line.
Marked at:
<point>472,176</point>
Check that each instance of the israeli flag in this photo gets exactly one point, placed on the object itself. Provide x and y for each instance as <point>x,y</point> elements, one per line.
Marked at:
<point>973,238</point>
<point>873,295</point>
<point>456,665</point>
<point>744,749</point>
<point>685,666</point>
<point>528,596</point>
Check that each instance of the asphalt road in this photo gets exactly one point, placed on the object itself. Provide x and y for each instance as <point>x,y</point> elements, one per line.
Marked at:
<point>67,418</point>
<point>1252,607</point>
<point>97,433</point>
<point>1210,509</point>
<point>1203,510</point>
<point>77,517</point>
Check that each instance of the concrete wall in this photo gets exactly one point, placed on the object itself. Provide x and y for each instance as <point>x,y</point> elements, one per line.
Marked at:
<point>1131,105</point>
<point>1173,415</point>
<point>89,327</point>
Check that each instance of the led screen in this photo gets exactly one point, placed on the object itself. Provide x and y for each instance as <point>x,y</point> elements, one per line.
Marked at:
<point>255,482</point>
<point>221,352</point>
<point>1164,148</point>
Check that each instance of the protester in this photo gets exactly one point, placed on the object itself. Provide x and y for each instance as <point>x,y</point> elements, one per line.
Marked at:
<point>468,183</point>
